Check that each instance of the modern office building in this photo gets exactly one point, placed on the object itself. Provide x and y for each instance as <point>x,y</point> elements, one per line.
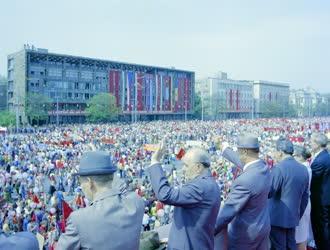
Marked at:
<point>270,92</point>
<point>3,94</point>
<point>225,98</point>
<point>143,92</point>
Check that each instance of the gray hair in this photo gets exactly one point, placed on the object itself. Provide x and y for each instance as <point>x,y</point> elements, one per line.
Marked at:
<point>199,155</point>
<point>320,139</point>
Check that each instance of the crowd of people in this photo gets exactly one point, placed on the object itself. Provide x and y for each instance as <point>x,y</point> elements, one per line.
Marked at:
<point>38,166</point>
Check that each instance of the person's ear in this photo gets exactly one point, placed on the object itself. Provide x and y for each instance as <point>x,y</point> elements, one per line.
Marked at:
<point>90,183</point>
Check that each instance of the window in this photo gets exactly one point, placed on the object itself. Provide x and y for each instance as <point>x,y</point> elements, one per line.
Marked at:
<point>87,86</point>
<point>87,75</point>
<point>76,85</point>
<point>70,95</point>
<point>86,96</point>
<point>76,95</point>
<point>54,72</point>
<point>71,74</point>
<point>32,72</point>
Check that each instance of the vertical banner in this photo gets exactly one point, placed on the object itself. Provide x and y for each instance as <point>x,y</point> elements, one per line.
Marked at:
<point>123,92</point>
<point>114,85</point>
<point>231,98</point>
<point>159,91</point>
<point>237,100</point>
<point>186,94</point>
<point>130,90</point>
<point>167,93</point>
<point>140,103</point>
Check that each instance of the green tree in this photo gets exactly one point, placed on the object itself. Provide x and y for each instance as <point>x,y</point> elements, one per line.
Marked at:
<point>102,108</point>
<point>198,106</point>
<point>37,107</point>
<point>292,111</point>
<point>320,109</point>
<point>7,119</point>
<point>272,109</point>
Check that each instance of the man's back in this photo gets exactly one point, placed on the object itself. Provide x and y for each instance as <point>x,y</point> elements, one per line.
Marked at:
<point>196,207</point>
<point>248,196</point>
<point>320,186</point>
<point>289,193</point>
<point>194,224</point>
<point>113,221</point>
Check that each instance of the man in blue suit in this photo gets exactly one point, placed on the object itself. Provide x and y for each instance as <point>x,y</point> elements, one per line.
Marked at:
<point>245,211</point>
<point>288,196</point>
<point>320,191</point>
<point>19,241</point>
<point>196,203</point>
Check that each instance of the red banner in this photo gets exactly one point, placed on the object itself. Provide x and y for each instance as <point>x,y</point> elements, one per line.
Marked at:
<point>114,84</point>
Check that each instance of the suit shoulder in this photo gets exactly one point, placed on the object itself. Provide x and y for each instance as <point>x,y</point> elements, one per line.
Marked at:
<point>81,213</point>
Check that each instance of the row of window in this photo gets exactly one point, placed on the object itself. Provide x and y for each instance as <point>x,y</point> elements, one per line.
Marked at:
<point>68,85</point>
<point>56,72</point>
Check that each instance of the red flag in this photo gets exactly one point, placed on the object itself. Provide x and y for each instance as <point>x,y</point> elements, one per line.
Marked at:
<point>66,210</point>
<point>180,154</point>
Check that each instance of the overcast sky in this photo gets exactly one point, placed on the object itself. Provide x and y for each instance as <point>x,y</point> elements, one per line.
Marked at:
<point>275,40</point>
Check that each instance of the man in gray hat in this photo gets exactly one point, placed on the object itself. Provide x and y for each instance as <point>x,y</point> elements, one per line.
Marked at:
<point>113,220</point>
<point>196,203</point>
<point>288,196</point>
<point>245,211</point>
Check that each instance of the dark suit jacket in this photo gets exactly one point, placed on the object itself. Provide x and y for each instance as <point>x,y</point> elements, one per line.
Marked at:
<point>320,186</point>
<point>289,193</point>
<point>246,209</point>
<point>196,207</point>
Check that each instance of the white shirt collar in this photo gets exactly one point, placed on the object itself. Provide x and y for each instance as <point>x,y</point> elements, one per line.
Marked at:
<point>249,164</point>
<point>317,154</point>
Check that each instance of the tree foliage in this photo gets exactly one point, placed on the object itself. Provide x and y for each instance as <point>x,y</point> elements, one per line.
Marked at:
<point>37,107</point>
<point>102,108</point>
<point>272,109</point>
<point>7,119</point>
<point>198,106</point>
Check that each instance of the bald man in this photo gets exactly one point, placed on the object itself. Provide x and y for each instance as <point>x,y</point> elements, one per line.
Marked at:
<point>196,203</point>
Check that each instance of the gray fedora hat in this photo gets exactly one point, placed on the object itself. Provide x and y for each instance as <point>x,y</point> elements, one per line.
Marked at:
<point>248,141</point>
<point>96,163</point>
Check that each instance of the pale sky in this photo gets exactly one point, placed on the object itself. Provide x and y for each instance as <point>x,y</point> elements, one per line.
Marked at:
<point>274,40</point>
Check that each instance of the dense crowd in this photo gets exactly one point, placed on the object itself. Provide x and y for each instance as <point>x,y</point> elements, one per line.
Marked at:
<point>37,165</point>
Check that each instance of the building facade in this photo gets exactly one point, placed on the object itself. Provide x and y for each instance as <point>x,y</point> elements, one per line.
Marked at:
<point>145,92</point>
<point>225,98</point>
<point>3,94</point>
<point>308,102</point>
<point>267,92</point>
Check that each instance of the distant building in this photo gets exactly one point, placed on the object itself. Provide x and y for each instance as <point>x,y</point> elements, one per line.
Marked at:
<point>3,94</point>
<point>270,92</point>
<point>225,98</point>
<point>142,92</point>
<point>308,102</point>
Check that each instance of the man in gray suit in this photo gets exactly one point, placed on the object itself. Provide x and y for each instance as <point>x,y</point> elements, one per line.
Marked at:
<point>196,203</point>
<point>113,220</point>
<point>245,211</point>
<point>288,196</point>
